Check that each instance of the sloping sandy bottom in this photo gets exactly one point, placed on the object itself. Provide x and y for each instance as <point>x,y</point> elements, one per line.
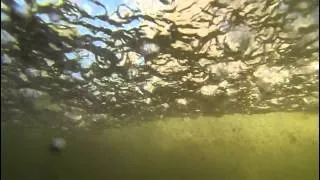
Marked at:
<point>275,146</point>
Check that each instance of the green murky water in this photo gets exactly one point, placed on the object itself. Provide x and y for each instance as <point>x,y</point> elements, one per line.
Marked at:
<point>101,70</point>
<point>277,146</point>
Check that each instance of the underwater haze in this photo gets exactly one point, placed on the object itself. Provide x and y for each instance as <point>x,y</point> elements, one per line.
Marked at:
<point>159,89</point>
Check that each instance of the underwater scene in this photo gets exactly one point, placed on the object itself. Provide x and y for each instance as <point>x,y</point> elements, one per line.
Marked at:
<point>160,89</point>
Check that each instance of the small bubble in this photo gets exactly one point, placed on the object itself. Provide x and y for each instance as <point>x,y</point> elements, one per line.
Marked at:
<point>58,144</point>
<point>149,48</point>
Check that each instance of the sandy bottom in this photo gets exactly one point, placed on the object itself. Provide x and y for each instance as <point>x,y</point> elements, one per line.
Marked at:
<point>275,146</point>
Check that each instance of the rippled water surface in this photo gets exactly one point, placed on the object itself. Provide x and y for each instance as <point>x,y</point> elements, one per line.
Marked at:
<point>133,84</point>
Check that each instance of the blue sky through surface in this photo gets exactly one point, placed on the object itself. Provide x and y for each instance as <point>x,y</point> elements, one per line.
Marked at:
<point>86,57</point>
<point>111,6</point>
